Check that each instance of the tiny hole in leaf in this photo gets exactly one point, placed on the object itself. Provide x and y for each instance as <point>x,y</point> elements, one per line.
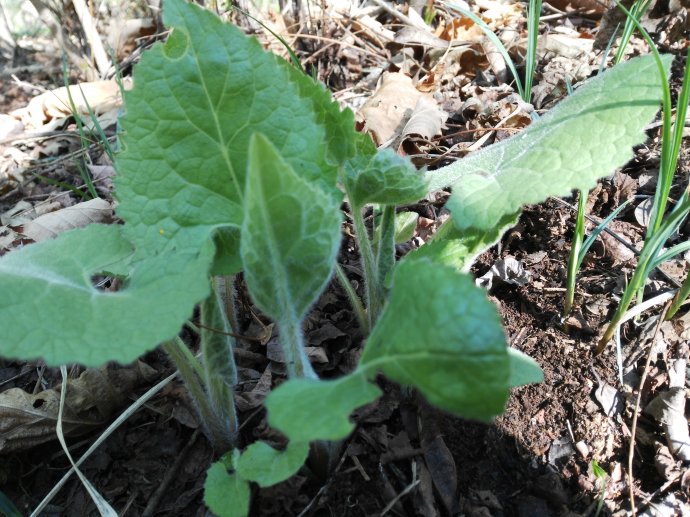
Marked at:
<point>38,403</point>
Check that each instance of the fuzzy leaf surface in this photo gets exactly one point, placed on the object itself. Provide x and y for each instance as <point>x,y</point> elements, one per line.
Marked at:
<point>585,137</point>
<point>307,410</point>
<point>50,308</point>
<point>198,99</point>
<point>267,466</point>
<point>440,334</point>
<point>384,178</point>
<point>290,236</point>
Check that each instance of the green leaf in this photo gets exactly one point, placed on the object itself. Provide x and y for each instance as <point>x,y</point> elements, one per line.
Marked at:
<point>50,308</point>
<point>198,99</point>
<point>267,466</point>
<point>290,237</point>
<point>523,369</point>
<point>460,248</point>
<point>227,261</point>
<point>384,178</point>
<point>440,334</point>
<point>306,410</point>
<point>405,225</point>
<point>587,136</point>
<point>226,494</point>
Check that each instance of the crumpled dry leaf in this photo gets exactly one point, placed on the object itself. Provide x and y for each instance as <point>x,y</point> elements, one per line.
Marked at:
<point>28,420</point>
<point>50,225</point>
<point>101,96</point>
<point>668,408</point>
<point>123,34</point>
<point>386,112</point>
<point>507,270</point>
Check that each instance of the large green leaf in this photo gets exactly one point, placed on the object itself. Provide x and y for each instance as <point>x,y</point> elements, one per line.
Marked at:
<point>197,100</point>
<point>50,309</point>
<point>440,334</point>
<point>585,137</point>
<point>307,409</point>
<point>267,466</point>
<point>290,236</point>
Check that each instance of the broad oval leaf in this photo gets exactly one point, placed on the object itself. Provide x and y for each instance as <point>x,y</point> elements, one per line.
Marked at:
<point>587,136</point>
<point>440,334</point>
<point>267,466</point>
<point>307,409</point>
<point>51,309</point>
<point>290,236</point>
<point>197,100</point>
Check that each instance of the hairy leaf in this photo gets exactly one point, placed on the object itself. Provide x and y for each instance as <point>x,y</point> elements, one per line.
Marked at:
<point>198,99</point>
<point>51,309</point>
<point>587,136</point>
<point>307,410</point>
<point>440,334</point>
<point>290,237</point>
<point>267,466</point>
<point>384,178</point>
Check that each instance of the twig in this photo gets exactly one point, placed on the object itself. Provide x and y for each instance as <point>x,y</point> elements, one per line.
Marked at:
<point>631,451</point>
<point>400,16</point>
<point>87,22</point>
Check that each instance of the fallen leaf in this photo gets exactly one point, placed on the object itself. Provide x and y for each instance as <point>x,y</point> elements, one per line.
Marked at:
<point>50,225</point>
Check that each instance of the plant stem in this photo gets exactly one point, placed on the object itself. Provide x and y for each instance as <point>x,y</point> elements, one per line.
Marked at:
<point>385,253</point>
<point>292,337</point>
<point>573,259</point>
<point>189,367</point>
<point>374,295</point>
<point>354,299</point>
<point>220,372</point>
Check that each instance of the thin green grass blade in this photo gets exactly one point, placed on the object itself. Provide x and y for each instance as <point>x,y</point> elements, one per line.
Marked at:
<point>600,228</point>
<point>533,15</point>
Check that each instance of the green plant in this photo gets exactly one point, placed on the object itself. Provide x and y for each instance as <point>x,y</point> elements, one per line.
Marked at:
<point>600,475</point>
<point>661,225</point>
<point>233,160</point>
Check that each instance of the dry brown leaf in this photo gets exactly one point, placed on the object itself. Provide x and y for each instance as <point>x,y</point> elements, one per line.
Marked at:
<point>124,34</point>
<point>50,225</point>
<point>101,96</point>
<point>387,111</point>
<point>28,420</point>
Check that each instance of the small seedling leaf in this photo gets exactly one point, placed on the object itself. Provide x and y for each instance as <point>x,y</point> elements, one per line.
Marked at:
<point>226,494</point>
<point>267,466</point>
<point>405,225</point>
<point>587,136</point>
<point>307,410</point>
<point>384,178</point>
<point>291,234</point>
<point>440,334</point>
<point>51,309</point>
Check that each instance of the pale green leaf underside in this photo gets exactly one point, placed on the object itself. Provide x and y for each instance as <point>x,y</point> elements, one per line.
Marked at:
<point>440,334</point>
<point>308,410</point>
<point>523,369</point>
<point>50,308</point>
<point>290,236</point>
<point>226,495</point>
<point>384,178</point>
<point>460,248</point>
<point>585,137</point>
<point>267,466</point>
<point>197,100</point>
